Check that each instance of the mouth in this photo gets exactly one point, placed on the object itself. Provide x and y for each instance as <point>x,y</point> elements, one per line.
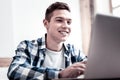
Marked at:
<point>64,33</point>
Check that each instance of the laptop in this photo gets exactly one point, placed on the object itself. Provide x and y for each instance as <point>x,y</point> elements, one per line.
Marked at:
<point>104,52</point>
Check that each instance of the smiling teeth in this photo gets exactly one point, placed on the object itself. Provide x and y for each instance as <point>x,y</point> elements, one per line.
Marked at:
<point>64,33</point>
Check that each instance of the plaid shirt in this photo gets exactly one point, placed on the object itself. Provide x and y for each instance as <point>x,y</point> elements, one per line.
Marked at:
<point>30,55</point>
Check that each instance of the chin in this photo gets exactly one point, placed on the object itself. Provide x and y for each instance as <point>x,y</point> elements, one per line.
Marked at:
<point>63,40</point>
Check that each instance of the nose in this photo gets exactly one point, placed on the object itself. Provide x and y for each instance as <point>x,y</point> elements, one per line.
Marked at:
<point>65,25</point>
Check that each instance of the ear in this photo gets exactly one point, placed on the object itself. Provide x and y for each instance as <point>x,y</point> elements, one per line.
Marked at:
<point>45,22</point>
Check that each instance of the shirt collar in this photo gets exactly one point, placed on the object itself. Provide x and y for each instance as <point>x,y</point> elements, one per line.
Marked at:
<point>42,43</point>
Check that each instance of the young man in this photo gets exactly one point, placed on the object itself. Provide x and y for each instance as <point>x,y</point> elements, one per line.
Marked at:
<point>49,57</point>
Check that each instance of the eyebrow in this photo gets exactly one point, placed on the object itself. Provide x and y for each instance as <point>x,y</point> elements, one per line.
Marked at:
<point>63,18</point>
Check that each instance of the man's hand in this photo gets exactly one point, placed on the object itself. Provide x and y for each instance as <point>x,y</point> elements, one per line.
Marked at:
<point>73,71</point>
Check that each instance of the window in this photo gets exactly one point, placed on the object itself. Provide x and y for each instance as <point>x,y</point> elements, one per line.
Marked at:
<point>115,7</point>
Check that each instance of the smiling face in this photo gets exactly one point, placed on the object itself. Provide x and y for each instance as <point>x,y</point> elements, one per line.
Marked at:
<point>59,26</point>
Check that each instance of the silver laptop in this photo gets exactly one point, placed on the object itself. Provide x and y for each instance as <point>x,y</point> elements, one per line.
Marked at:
<point>104,51</point>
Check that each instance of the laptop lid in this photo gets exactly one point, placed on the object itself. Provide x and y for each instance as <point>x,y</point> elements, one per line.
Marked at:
<point>104,51</point>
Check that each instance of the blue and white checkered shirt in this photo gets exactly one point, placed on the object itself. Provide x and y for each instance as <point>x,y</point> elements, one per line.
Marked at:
<point>30,55</point>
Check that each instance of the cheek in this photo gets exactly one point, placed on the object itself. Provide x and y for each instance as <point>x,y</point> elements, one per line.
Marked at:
<point>51,29</point>
<point>69,30</point>
<point>54,27</point>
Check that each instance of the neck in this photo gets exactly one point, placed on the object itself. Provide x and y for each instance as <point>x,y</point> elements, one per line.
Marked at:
<point>53,45</point>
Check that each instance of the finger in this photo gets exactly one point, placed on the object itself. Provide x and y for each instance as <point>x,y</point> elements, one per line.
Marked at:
<point>84,62</point>
<point>78,72</point>
<point>79,64</point>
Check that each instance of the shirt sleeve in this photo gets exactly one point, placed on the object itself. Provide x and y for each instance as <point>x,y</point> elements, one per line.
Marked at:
<point>77,55</point>
<point>21,67</point>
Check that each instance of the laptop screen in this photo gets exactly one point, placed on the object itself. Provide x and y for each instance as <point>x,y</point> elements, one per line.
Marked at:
<point>104,51</point>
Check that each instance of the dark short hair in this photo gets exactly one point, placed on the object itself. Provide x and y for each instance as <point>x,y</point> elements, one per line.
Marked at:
<point>55,6</point>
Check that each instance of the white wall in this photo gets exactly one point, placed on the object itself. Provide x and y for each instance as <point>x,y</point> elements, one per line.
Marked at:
<point>102,6</point>
<point>6,28</point>
<point>22,19</point>
<point>116,7</point>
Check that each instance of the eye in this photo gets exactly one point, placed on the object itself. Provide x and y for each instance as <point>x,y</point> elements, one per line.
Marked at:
<point>59,20</point>
<point>69,22</point>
